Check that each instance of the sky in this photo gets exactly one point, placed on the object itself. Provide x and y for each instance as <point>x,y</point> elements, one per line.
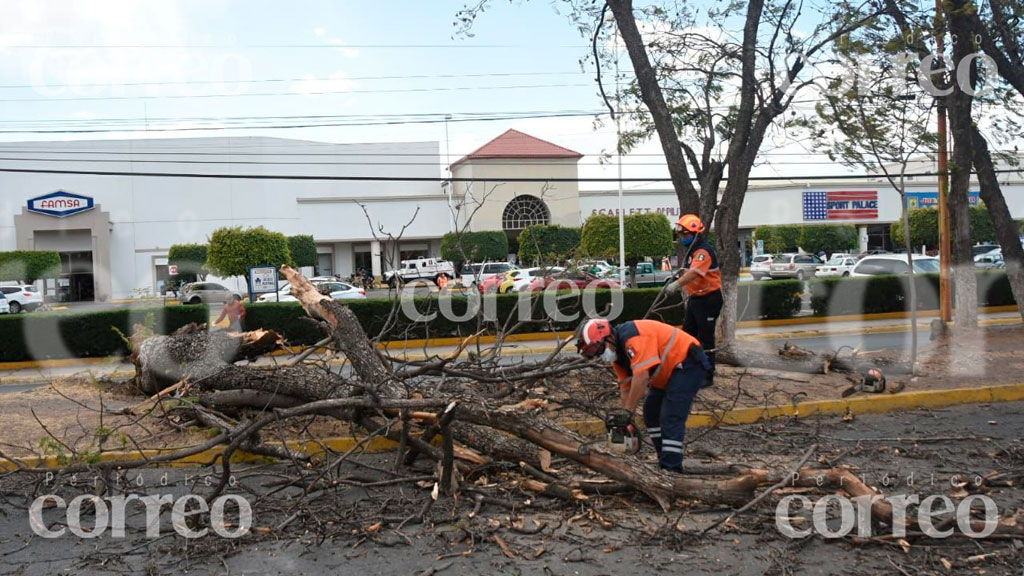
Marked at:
<point>155,68</point>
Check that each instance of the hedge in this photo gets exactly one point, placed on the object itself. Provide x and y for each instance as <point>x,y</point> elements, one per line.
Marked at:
<point>29,265</point>
<point>779,299</point>
<point>481,246</point>
<point>876,294</point>
<point>46,335</point>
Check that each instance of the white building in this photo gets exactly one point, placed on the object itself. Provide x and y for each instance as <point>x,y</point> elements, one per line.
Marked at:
<point>123,203</point>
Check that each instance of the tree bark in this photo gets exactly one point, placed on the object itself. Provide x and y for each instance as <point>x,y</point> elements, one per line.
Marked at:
<point>194,353</point>
<point>1007,230</point>
<point>960,119</point>
<point>805,364</point>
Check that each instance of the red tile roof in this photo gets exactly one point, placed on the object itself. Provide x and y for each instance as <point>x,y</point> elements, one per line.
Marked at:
<point>515,144</point>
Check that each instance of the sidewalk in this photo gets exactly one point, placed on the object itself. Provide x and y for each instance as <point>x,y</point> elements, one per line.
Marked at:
<point>544,345</point>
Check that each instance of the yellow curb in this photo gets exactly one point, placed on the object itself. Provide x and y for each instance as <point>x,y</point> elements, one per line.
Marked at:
<point>860,317</point>
<point>870,404</point>
<point>56,363</point>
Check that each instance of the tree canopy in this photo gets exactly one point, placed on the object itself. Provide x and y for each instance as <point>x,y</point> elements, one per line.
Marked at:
<point>233,250</point>
<point>29,265</point>
<point>547,244</point>
<point>303,250</point>
<point>482,246</point>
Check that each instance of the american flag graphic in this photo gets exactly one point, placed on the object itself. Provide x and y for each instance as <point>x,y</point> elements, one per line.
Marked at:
<point>841,205</point>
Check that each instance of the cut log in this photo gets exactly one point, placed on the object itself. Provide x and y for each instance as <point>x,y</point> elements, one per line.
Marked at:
<point>805,362</point>
<point>193,353</point>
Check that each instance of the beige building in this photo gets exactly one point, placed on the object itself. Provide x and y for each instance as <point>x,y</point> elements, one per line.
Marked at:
<point>493,202</point>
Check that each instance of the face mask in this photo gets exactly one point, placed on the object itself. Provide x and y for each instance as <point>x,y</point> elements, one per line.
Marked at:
<point>687,240</point>
<point>608,355</point>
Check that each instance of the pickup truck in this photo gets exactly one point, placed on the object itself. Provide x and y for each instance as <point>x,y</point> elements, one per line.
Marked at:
<point>419,269</point>
<point>647,275</point>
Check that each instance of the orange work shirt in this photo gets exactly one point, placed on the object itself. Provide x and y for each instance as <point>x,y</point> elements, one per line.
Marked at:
<point>704,262</point>
<point>649,345</point>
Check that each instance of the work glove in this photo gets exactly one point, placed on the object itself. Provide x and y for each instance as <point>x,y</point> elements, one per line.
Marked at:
<point>620,418</point>
<point>672,287</point>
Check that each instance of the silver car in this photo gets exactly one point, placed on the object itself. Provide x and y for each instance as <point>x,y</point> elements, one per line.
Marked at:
<point>205,292</point>
<point>799,266</point>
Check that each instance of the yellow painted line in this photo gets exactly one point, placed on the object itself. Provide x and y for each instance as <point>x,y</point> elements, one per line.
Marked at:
<point>860,317</point>
<point>865,404</point>
<point>56,363</point>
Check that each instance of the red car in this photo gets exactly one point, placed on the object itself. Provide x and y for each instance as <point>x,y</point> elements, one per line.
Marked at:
<point>570,278</point>
<point>492,284</point>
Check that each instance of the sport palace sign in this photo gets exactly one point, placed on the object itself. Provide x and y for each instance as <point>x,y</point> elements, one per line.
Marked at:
<point>60,204</point>
<point>841,205</point>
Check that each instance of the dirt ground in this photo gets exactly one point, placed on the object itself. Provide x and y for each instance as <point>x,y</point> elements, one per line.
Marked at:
<point>76,413</point>
<point>374,521</point>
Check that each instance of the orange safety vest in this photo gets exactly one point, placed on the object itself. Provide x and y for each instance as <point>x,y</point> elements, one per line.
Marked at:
<point>704,262</point>
<point>650,345</point>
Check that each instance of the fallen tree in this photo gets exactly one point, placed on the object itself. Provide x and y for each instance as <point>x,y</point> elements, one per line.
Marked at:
<point>479,426</point>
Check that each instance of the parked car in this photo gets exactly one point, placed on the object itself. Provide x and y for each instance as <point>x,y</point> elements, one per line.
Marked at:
<point>473,274</point>
<point>983,249</point>
<point>799,266</point>
<point>419,269</point>
<point>647,275</point>
<point>838,265</point>
<point>521,279</point>
<point>23,297</point>
<point>569,278</point>
<point>339,291</point>
<point>882,264</point>
<point>871,253</point>
<point>5,308</point>
<point>761,266</point>
<point>992,259</point>
<point>493,284</point>
<point>204,292</point>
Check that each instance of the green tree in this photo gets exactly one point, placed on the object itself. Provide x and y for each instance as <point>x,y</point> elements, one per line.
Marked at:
<point>828,238</point>
<point>647,236</point>
<point>190,260</point>
<point>546,244</point>
<point>777,239</point>
<point>475,246</point>
<point>303,250</point>
<point>29,265</point>
<point>233,250</point>
<point>982,229</point>
<point>924,229</point>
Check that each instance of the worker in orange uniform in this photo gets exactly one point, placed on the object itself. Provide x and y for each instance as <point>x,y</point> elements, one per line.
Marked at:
<point>656,359</point>
<point>703,282</point>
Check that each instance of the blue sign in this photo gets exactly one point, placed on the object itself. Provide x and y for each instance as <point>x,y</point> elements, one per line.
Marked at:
<point>60,204</point>
<point>918,200</point>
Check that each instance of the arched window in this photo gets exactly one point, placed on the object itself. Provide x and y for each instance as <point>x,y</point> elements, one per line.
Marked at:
<point>523,211</point>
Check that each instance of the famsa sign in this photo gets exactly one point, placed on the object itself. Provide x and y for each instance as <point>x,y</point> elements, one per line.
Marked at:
<point>60,204</point>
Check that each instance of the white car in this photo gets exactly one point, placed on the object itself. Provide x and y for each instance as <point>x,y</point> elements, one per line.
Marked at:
<point>23,297</point>
<point>335,289</point>
<point>838,265</point>
<point>761,266</point>
<point>525,276</point>
<point>884,264</point>
<point>4,307</point>
<point>475,273</point>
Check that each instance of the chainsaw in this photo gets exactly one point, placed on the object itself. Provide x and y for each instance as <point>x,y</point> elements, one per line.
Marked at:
<point>623,435</point>
<point>872,381</point>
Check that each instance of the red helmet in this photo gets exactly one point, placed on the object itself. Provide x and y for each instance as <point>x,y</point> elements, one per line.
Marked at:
<point>593,335</point>
<point>690,223</point>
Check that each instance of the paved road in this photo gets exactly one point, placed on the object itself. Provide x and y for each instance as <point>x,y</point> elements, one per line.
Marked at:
<point>340,535</point>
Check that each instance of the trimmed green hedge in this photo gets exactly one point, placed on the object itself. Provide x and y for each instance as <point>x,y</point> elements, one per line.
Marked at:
<point>876,294</point>
<point>779,299</point>
<point>28,265</point>
<point>46,335</point>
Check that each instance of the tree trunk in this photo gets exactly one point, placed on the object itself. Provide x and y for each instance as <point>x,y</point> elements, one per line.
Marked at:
<point>194,353</point>
<point>1007,230</point>
<point>964,279</point>
<point>805,363</point>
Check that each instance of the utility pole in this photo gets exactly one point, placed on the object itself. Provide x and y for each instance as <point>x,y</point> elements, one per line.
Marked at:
<point>945,251</point>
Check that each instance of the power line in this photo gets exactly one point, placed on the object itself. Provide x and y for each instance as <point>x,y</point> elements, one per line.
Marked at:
<point>302,93</point>
<point>283,46</point>
<point>439,179</point>
<point>286,126</point>
<point>280,80</point>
